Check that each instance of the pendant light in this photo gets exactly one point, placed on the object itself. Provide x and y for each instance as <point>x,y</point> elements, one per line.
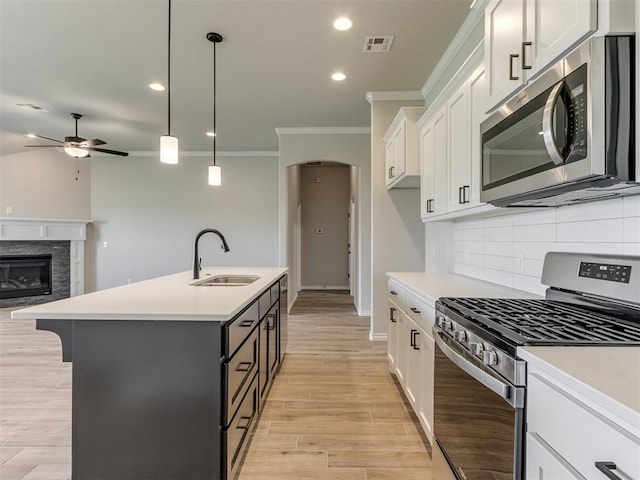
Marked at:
<point>215,173</point>
<point>168,143</point>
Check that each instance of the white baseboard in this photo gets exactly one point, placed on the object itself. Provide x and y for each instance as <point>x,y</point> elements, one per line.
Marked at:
<point>364,313</point>
<point>325,287</point>
<point>377,337</point>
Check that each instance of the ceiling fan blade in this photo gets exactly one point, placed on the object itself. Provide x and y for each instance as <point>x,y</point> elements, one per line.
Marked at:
<point>47,138</point>
<point>93,143</point>
<point>74,139</point>
<point>104,150</point>
<point>57,146</point>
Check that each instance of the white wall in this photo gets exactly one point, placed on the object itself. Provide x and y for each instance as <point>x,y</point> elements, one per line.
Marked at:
<point>149,213</point>
<point>325,193</point>
<point>509,249</point>
<point>397,232</point>
<point>348,148</point>
<point>41,183</point>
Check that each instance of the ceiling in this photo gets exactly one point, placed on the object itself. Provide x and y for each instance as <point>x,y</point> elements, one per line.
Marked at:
<point>97,57</point>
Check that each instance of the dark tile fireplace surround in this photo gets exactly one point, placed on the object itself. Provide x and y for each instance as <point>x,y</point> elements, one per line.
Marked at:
<point>60,252</point>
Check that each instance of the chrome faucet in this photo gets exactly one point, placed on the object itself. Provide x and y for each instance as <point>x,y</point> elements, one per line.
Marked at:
<point>196,260</point>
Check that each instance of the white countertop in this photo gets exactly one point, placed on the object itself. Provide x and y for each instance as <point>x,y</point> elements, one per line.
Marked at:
<point>609,377</point>
<point>436,285</point>
<point>171,297</point>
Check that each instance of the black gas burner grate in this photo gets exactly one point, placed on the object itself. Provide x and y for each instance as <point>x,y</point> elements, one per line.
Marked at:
<point>529,321</point>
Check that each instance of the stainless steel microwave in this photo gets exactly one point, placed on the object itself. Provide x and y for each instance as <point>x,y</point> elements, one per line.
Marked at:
<point>569,136</point>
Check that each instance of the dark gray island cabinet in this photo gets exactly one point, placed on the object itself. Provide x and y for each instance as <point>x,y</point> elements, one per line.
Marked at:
<point>170,399</point>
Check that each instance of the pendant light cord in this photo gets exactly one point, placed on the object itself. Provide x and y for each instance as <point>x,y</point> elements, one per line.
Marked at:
<point>169,72</point>
<point>215,131</point>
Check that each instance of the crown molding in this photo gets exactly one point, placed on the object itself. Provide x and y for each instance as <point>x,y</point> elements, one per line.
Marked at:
<point>323,131</point>
<point>208,153</point>
<point>475,16</point>
<point>394,96</point>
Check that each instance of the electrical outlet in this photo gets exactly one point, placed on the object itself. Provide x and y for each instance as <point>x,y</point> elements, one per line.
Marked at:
<point>128,281</point>
<point>105,244</point>
<point>520,261</point>
<point>8,210</point>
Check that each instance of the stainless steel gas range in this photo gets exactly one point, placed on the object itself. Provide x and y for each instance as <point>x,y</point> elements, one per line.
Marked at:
<point>480,383</point>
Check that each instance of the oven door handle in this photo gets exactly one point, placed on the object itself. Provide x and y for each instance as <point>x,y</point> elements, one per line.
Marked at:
<point>503,389</point>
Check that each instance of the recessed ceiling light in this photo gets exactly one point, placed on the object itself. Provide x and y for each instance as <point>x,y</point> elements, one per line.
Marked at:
<point>342,23</point>
<point>211,134</point>
<point>158,87</point>
<point>30,135</point>
<point>338,76</point>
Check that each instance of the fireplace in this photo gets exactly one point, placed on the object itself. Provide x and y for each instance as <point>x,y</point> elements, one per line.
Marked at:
<point>25,276</point>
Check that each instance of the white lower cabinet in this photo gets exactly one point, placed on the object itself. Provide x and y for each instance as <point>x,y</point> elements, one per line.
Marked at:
<point>410,350</point>
<point>568,436</point>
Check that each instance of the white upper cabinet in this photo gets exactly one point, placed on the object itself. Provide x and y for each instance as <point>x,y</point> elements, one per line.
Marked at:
<point>522,37</point>
<point>402,158</point>
<point>459,138</point>
<point>433,154</point>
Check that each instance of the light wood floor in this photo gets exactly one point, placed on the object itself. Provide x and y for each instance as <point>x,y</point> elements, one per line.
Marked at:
<point>333,413</point>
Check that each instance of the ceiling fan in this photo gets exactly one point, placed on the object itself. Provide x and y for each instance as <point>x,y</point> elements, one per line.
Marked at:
<point>79,147</point>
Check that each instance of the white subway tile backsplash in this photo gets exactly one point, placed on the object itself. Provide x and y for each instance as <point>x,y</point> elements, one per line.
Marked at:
<point>535,233</point>
<point>591,211</point>
<point>586,247</point>
<point>504,249</point>
<point>499,277</point>
<point>498,234</point>
<point>529,284</point>
<point>547,215</point>
<point>510,249</point>
<point>596,231</point>
<point>535,250</point>
<point>631,206</point>
<point>494,262</point>
<point>631,229</point>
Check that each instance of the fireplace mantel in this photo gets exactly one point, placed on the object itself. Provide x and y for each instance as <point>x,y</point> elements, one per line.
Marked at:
<point>34,229</point>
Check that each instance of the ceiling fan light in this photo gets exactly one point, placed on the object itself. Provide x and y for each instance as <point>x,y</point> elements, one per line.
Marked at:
<point>168,149</point>
<point>215,175</point>
<point>76,152</point>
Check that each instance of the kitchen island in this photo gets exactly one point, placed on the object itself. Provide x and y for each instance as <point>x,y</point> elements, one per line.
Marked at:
<point>169,377</point>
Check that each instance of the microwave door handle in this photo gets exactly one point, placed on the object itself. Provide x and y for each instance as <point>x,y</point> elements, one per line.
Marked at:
<point>547,125</point>
<point>489,381</point>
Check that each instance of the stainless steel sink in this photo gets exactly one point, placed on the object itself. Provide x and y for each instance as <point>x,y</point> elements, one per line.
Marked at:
<point>226,281</point>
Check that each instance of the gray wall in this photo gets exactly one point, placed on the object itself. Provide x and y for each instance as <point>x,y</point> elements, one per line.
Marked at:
<point>149,213</point>
<point>41,183</point>
<point>325,193</point>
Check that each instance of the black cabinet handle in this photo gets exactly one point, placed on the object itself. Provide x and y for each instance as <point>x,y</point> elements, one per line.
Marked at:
<point>524,58</point>
<point>246,323</point>
<point>414,334</point>
<point>460,195</point>
<point>465,191</point>
<point>414,310</point>
<point>244,366</point>
<point>511,75</point>
<point>430,205</point>
<point>392,292</point>
<point>606,467</point>
<point>246,425</point>
<point>391,312</point>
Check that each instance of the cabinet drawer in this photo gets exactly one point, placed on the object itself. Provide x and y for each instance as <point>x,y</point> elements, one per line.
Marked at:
<point>236,436</point>
<point>265,303</point>
<point>238,371</point>
<point>420,311</point>
<point>543,463</point>
<point>395,292</point>
<point>275,292</point>
<point>600,439</point>
<point>239,328</point>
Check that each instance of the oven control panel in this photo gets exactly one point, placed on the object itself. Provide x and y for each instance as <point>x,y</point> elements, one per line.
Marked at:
<point>603,271</point>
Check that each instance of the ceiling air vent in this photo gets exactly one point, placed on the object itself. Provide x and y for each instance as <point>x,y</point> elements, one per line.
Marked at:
<point>31,106</point>
<point>378,43</point>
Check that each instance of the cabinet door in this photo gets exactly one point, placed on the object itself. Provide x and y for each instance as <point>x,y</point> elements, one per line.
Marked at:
<point>544,464</point>
<point>402,358</point>
<point>459,142</point>
<point>388,162</point>
<point>428,169</point>
<point>441,161</point>
<point>411,343</point>
<point>479,100</point>
<point>399,151</point>
<point>553,27</point>
<point>392,337</point>
<point>425,394</point>
<point>504,34</point>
